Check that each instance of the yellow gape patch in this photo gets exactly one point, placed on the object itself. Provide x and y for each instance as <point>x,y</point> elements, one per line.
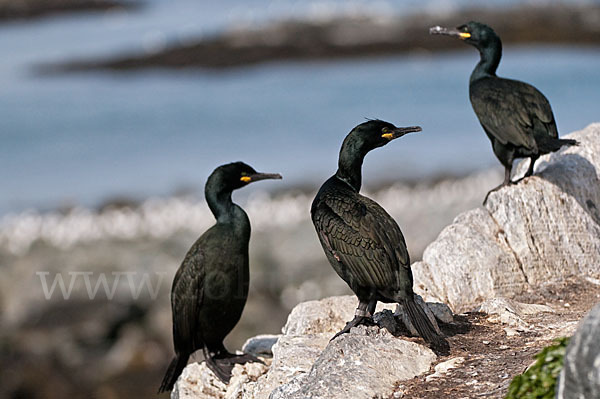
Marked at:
<point>388,136</point>
<point>245,179</point>
<point>464,35</point>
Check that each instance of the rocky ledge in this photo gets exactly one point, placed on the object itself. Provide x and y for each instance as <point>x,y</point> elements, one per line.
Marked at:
<point>517,274</point>
<point>489,346</point>
<point>305,363</point>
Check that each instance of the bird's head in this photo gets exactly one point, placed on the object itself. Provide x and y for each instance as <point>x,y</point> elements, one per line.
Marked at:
<point>362,139</point>
<point>235,175</point>
<point>373,134</point>
<point>474,33</point>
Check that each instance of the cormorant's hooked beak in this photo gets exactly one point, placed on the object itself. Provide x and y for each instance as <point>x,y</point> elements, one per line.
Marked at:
<point>400,131</point>
<point>260,176</point>
<point>438,30</point>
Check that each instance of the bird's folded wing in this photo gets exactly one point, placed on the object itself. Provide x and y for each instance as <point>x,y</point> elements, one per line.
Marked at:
<point>508,110</point>
<point>364,238</point>
<point>186,299</point>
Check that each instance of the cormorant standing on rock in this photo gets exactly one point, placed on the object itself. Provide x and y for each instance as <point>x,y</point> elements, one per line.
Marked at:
<point>516,116</point>
<point>361,240</point>
<point>210,287</point>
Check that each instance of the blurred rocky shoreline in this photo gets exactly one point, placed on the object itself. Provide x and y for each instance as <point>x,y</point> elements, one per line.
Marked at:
<point>28,9</point>
<point>353,36</point>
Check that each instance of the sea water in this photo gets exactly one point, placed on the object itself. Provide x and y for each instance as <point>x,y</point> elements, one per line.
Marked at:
<point>83,137</point>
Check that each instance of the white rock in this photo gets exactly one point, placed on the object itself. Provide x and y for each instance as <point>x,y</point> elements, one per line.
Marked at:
<point>260,344</point>
<point>304,358</point>
<point>198,382</point>
<point>441,311</point>
<point>443,367</point>
<point>328,315</point>
<point>543,229</point>
<point>293,356</point>
<point>510,312</point>
<point>365,363</point>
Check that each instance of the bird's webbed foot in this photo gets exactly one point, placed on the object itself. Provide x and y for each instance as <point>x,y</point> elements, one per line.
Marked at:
<point>360,317</point>
<point>221,370</point>
<point>527,174</point>
<point>232,358</point>
<point>521,179</point>
<point>221,362</point>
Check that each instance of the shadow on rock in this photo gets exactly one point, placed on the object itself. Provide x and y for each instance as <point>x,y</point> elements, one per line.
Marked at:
<point>576,176</point>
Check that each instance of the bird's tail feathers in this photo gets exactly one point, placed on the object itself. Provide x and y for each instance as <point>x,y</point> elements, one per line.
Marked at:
<point>424,327</point>
<point>553,144</point>
<point>569,142</point>
<point>173,372</point>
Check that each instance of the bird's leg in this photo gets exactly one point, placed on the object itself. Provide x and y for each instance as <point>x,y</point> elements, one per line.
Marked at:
<point>531,164</point>
<point>239,359</point>
<point>372,305</point>
<point>530,169</point>
<point>368,321</point>
<point>361,316</point>
<point>506,182</point>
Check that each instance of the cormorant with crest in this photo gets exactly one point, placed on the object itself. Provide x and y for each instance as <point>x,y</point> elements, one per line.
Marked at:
<point>362,242</point>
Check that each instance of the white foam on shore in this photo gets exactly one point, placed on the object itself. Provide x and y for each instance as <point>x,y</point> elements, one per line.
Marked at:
<point>162,217</point>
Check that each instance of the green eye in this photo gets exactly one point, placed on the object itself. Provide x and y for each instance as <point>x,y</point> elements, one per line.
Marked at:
<point>385,130</point>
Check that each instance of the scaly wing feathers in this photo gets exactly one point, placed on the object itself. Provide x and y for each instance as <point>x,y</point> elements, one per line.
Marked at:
<point>186,299</point>
<point>363,238</point>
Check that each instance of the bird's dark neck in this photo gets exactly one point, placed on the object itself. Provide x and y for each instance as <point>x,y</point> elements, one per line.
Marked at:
<point>489,61</point>
<point>350,167</point>
<point>225,210</point>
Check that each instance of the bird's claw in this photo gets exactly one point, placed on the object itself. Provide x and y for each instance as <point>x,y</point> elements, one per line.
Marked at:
<point>358,320</point>
<point>505,184</point>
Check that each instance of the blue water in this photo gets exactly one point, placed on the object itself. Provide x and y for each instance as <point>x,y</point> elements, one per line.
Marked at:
<point>81,138</point>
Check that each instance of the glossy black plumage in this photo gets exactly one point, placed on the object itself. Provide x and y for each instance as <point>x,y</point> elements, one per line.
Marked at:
<point>516,116</point>
<point>210,287</point>
<point>361,240</point>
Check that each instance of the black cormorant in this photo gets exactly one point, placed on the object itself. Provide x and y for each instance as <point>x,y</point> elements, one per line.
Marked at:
<point>516,116</point>
<point>210,287</point>
<point>361,240</point>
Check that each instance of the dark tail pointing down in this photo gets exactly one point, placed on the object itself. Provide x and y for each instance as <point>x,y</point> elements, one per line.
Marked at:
<point>173,372</point>
<point>424,327</point>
